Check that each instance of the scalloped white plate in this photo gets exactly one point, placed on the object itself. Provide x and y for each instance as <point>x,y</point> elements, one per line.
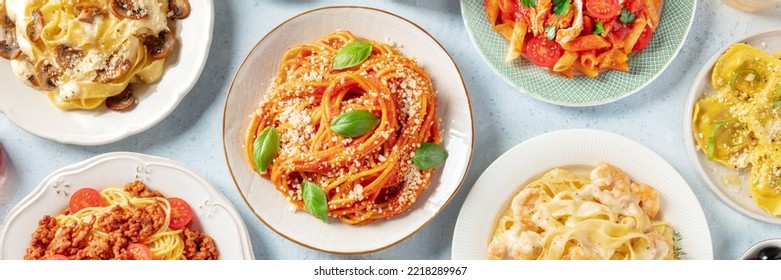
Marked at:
<point>505,177</point>
<point>32,111</point>
<point>257,71</point>
<point>214,214</point>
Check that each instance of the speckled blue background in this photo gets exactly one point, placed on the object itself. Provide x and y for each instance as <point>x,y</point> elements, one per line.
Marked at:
<point>503,117</point>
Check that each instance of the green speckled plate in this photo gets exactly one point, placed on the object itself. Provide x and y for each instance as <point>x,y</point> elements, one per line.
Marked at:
<point>609,86</point>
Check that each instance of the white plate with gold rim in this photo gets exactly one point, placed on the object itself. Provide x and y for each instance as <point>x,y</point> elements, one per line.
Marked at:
<point>214,214</point>
<point>716,175</point>
<point>32,111</point>
<point>257,71</point>
<point>504,178</point>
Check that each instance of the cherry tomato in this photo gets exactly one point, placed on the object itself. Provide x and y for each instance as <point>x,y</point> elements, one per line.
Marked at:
<point>617,31</point>
<point>602,9</point>
<point>645,37</point>
<point>543,52</point>
<point>588,26</point>
<point>58,257</point>
<point>85,197</point>
<point>181,213</point>
<point>634,6</point>
<point>509,11</point>
<point>139,251</point>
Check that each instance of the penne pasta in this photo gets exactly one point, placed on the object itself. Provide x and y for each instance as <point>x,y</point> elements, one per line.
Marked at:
<point>569,40</point>
<point>516,41</point>
<point>505,29</point>
<point>565,62</point>
<point>637,28</point>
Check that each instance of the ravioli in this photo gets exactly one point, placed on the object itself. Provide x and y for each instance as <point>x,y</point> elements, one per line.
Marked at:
<point>740,125</point>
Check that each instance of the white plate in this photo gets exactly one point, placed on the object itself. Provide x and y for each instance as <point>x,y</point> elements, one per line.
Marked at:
<point>32,111</point>
<point>214,215</point>
<point>739,198</point>
<point>504,178</point>
<point>257,71</point>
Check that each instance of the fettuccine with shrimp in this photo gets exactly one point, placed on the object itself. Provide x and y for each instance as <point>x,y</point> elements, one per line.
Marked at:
<point>563,215</point>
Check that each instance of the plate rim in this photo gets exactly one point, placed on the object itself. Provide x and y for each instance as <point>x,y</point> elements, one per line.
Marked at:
<point>78,167</point>
<point>508,154</point>
<point>691,149</point>
<point>536,96</point>
<point>423,225</point>
<point>86,138</point>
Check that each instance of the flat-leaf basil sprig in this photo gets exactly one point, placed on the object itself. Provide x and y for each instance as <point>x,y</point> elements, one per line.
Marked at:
<point>429,155</point>
<point>265,148</point>
<point>352,54</point>
<point>314,200</point>
<point>354,123</point>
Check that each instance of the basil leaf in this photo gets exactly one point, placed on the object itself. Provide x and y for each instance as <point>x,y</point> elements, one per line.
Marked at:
<point>626,16</point>
<point>777,103</point>
<point>314,200</point>
<point>712,138</point>
<point>599,29</point>
<point>528,3</point>
<point>743,74</point>
<point>351,54</point>
<point>265,148</point>
<point>429,155</point>
<point>354,123</point>
<point>560,7</point>
<point>550,32</point>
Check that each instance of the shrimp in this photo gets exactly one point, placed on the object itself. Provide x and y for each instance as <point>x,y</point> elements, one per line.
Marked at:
<point>524,204</point>
<point>611,179</point>
<point>526,245</point>
<point>580,253</point>
<point>657,247</point>
<point>648,198</point>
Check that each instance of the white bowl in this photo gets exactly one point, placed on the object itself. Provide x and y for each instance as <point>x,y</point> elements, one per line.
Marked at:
<point>214,214</point>
<point>752,251</point>
<point>32,111</point>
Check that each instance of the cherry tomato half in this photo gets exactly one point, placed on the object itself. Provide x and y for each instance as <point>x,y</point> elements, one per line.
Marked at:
<point>588,26</point>
<point>181,213</point>
<point>602,9</point>
<point>139,251</point>
<point>635,6</point>
<point>543,52</point>
<point>85,197</point>
<point>643,40</point>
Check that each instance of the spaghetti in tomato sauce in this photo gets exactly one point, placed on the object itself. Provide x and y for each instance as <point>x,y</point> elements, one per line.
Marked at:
<point>127,223</point>
<point>352,133</point>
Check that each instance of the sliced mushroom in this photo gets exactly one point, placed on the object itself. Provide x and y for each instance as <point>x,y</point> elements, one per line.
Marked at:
<point>9,48</point>
<point>87,12</point>
<point>5,21</point>
<point>25,70</point>
<point>178,9</point>
<point>161,46</point>
<point>46,74</point>
<point>35,27</point>
<point>67,56</point>
<point>128,9</point>
<point>115,68</point>
<point>122,101</point>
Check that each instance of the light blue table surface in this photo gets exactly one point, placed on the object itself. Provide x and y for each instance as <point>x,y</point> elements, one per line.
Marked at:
<point>503,117</point>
